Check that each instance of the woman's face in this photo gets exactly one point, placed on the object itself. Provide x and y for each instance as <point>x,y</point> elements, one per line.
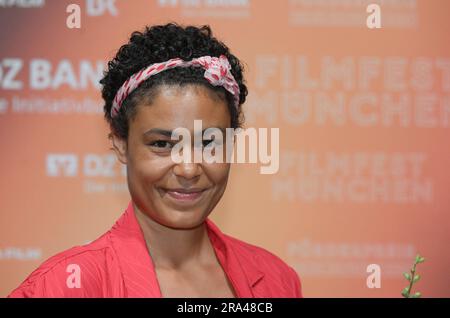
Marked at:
<point>176,195</point>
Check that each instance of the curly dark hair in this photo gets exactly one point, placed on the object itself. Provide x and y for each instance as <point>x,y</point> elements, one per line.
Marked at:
<point>157,44</point>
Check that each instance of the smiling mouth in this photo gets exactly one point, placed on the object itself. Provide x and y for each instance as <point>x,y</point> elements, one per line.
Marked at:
<point>185,195</point>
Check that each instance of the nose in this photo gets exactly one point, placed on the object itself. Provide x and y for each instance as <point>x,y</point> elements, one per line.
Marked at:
<point>187,170</point>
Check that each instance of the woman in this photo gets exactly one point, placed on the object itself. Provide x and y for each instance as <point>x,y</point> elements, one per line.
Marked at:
<point>164,245</point>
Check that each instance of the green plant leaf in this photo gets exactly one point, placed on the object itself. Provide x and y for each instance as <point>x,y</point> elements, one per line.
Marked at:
<point>419,259</point>
<point>412,278</point>
<point>407,276</point>
<point>416,295</point>
<point>405,292</point>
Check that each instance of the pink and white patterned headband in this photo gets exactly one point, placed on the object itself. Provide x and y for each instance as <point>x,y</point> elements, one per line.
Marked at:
<point>217,72</point>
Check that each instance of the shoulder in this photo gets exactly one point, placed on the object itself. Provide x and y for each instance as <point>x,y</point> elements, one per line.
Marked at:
<point>76,272</point>
<point>273,267</point>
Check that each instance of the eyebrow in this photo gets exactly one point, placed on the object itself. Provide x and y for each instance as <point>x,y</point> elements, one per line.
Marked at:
<point>159,131</point>
<point>168,133</point>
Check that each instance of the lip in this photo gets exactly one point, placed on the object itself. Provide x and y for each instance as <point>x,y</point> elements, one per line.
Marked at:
<point>186,195</point>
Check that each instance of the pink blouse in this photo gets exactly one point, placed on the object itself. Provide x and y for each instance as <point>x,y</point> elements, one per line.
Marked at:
<point>118,264</point>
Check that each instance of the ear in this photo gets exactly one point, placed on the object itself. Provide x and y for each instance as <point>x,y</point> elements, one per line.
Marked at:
<point>119,145</point>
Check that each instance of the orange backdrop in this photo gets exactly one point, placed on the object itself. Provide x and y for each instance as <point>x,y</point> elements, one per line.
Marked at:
<point>364,118</point>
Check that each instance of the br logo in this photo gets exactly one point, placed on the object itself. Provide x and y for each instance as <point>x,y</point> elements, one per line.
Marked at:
<point>62,165</point>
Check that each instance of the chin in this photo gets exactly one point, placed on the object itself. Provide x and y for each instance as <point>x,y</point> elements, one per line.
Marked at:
<point>183,219</point>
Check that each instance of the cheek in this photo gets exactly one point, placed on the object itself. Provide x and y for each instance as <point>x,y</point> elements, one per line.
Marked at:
<point>147,169</point>
<point>217,172</point>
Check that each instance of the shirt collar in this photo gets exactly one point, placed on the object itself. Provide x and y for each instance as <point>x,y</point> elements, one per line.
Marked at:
<point>138,269</point>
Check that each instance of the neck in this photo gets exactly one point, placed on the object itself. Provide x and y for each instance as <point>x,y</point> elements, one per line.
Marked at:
<point>174,248</point>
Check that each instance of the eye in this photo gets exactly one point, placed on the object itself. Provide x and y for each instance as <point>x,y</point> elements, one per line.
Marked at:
<point>161,144</point>
<point>207,142</point>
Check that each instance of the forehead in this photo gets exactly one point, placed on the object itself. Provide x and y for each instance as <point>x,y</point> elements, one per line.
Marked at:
<point>176,106</point>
